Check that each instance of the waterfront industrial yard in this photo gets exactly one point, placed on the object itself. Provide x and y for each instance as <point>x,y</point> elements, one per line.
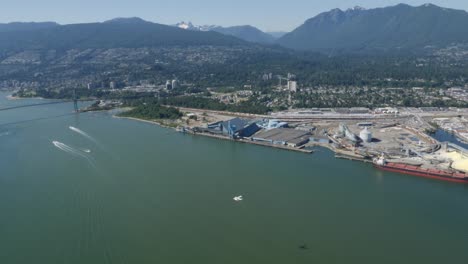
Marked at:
<point>400,135</point>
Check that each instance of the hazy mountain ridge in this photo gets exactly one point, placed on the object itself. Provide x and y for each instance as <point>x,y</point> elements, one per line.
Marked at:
<point>248,33</point>
<point>277,34</point>
<point>116,33</point>
<point>26,26</point>
<point>244,32</point>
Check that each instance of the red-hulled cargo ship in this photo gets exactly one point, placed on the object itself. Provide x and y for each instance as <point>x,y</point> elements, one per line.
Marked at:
<point>446,175</point>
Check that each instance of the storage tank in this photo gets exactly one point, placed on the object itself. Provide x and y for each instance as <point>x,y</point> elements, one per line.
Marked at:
<point>366,135</point>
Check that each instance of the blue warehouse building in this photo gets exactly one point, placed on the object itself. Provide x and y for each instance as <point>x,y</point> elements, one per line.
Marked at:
<point>235,128</point>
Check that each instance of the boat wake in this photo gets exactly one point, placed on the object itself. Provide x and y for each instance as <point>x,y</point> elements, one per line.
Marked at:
<point>81,132</point>
<point>98,144</point>
<point>73,151</point>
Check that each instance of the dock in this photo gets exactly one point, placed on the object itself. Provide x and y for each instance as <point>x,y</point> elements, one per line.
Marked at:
<point>341,154</point>
<point>246,141</point>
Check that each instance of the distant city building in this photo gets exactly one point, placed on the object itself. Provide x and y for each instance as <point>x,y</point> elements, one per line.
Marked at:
<point>267,76</point>
<point>90,86</point>
<point>168,85</point>
<point>292,86</point>
<point>174,84</point>
<point>112,85</point>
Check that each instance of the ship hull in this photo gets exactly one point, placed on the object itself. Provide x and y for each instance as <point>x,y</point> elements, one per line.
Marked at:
<point>423,174</point>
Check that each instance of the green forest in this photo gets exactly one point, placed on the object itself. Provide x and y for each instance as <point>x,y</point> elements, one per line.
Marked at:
<point>152,111</point>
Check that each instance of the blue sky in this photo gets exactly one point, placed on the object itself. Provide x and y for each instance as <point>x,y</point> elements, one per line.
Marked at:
<point>269,15</point>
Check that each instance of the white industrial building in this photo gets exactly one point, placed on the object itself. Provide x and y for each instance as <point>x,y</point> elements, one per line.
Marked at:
<point>365,135</point>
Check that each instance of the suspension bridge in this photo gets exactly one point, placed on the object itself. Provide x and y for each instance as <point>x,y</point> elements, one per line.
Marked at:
<point>75,101</point>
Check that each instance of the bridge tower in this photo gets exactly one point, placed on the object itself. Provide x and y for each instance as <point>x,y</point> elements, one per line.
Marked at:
<point>75,101</point>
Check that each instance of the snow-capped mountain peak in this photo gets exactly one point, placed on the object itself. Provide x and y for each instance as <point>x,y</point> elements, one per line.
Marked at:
<point>184,25</point>
<point>190,26</point>
<point>357,8</point>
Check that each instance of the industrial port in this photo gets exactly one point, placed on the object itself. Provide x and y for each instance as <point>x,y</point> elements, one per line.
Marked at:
<point>390,135</point>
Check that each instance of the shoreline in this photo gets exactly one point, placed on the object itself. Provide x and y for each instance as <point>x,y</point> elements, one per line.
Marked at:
<point>11,98</point>
<point>457,135</point>
<point>245,141</point>
<point>341,154</point>
<point>153,122</point>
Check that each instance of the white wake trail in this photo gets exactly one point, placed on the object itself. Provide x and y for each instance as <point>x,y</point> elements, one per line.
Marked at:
<point>90,138</point>
<point>86,150</point>
<point>81,132</point>
<point>72,151</point>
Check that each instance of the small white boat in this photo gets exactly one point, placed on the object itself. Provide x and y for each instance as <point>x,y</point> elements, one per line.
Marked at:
<point>238,198</point>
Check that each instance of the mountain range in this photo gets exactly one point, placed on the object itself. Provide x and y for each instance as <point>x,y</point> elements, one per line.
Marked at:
<point>395,28</point>
<point>356,30</point>
<point>116,33</point>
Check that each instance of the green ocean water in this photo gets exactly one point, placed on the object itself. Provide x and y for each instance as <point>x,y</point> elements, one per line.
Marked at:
<point>129,192</point>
